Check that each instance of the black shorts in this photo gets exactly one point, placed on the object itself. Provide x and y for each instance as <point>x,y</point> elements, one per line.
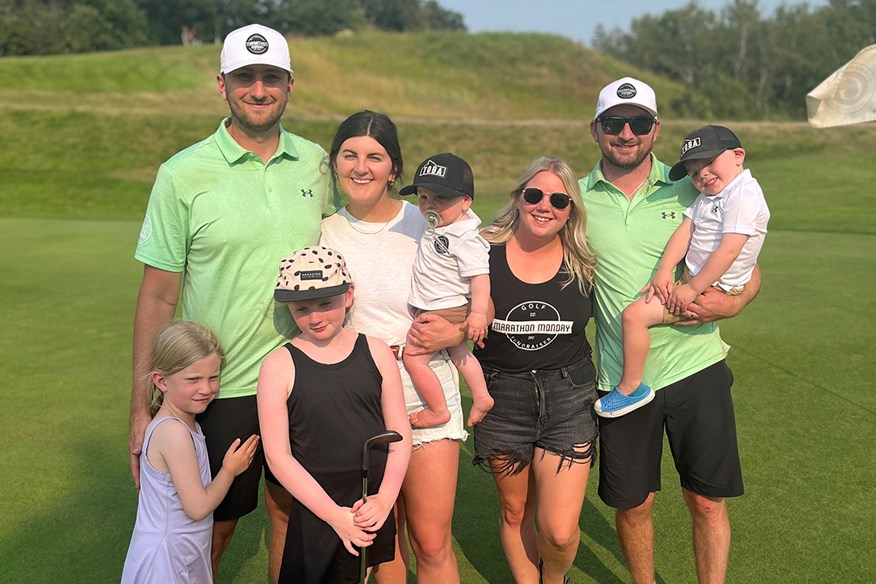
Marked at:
<point>698,416</point>
<point>222,422</point>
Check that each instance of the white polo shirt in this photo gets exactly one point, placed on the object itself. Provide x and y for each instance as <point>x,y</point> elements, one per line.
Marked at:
<point>739,208</point>
<point>446,260</point>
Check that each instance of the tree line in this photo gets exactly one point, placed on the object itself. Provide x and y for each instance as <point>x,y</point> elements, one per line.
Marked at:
<point>739,63</point>
<point>46,27</point>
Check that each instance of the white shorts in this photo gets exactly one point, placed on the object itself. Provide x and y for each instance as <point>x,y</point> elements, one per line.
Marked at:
<point>449,378</point>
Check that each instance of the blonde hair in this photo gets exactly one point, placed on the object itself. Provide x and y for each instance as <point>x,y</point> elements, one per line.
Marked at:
<point>177,345</point>
<point>578,259</point>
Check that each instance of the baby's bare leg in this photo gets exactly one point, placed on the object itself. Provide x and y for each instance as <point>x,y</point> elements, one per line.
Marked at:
<point>430,390</point>
<point>471,371</point>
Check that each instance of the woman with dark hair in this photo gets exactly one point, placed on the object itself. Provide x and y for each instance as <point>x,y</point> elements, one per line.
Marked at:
<point>539,437</point>
<point>378,234</point>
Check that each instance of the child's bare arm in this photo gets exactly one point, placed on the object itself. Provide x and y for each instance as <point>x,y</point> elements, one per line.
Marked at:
<point>172,444</point>
<point>677,246</point>
<point>676,249</point>
<point>480,304</point>
<point>276,377</point>
<point>718,263</point>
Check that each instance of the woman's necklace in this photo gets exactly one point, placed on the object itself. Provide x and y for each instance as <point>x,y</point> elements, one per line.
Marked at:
<point>368,227</point>
<point>372,229</point>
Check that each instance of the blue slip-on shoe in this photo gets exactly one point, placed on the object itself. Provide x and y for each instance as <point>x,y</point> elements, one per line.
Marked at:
<point>615,404</point>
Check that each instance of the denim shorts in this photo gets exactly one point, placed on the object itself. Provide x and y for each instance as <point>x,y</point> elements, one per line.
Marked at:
<point>550,409</point>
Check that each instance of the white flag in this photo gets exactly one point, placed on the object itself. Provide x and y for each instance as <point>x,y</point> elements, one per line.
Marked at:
<point>848,96</point>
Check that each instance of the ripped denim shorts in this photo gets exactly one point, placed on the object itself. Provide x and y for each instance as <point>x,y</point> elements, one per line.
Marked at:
<point>550,409</point>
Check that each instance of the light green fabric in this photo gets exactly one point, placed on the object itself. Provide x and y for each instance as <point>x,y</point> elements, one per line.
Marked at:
<point>628,238</point>
<point>225,219</point>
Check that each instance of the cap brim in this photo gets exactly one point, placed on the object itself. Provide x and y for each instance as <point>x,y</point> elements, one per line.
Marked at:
<point>440,190</point>
<point>310,294</point>
<point>678,170</point>
<point>644,108</point>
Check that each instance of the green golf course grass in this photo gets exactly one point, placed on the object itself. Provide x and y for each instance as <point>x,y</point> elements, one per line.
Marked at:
<point>84,135</point>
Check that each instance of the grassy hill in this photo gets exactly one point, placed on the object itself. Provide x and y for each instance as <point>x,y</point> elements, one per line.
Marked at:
<point>83,137</point>
<point>84,134</point>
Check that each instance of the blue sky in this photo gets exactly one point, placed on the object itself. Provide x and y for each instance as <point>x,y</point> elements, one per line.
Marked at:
<point>576,19</point>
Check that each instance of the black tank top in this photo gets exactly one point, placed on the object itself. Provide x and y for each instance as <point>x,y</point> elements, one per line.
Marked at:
<point>537,326</point>
<point>333,409</point>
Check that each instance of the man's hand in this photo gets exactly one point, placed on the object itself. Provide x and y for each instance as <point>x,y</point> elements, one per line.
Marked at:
<point>710,306</point>
<point>135,445</point>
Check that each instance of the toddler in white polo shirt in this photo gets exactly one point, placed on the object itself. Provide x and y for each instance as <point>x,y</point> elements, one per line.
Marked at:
<point>719,240</point>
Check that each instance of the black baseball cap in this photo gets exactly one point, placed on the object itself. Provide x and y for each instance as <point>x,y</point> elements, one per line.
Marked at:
<point>707,142</point>
<point>446,174</point>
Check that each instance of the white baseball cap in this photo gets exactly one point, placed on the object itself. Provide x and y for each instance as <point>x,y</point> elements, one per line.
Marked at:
<point>254,45</point>
<point>627,91</point>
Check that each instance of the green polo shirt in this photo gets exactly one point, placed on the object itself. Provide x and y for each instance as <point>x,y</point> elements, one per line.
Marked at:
<point>628,238</point>
<point>224,218</point>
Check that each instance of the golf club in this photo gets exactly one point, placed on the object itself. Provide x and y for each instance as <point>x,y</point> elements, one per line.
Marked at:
<point>385,438</point>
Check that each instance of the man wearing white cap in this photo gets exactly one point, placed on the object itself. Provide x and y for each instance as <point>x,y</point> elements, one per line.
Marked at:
<point>220,215</point>
<point>633,209</point>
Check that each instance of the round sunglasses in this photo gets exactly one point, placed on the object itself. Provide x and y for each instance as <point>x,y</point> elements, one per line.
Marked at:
<point>639,125</point>
<point>559,201</point>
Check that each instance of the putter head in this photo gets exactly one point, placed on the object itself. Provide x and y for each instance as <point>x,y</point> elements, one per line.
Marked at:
<point>432,218</point>
<point>385,438</point>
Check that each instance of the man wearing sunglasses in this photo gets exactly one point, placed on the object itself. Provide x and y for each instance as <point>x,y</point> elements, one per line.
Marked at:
<point>633,208</point>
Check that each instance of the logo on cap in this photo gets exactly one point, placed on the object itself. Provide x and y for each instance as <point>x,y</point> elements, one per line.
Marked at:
<point>432,169</point>
<point>688,144</point>
<point>311,275</point>
<point>626,91</point>
<point>257,44</point>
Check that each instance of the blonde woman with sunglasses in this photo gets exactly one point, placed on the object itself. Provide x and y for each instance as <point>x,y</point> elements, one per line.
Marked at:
<point>538,440</point>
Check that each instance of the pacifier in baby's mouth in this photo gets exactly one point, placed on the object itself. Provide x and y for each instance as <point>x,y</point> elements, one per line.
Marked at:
<point>432,218</point>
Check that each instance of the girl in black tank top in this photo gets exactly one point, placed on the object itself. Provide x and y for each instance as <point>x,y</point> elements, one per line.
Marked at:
<point>321,397</point>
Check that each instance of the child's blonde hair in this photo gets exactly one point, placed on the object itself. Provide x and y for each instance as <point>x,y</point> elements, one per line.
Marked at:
<point>177,345</point>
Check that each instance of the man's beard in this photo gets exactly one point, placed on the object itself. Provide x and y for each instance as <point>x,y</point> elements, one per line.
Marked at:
<point>626,162</point>
<point>251,124</point>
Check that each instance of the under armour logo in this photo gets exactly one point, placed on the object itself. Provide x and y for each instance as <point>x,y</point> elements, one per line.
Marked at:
<point>306,192</point>
<point>670,215</point>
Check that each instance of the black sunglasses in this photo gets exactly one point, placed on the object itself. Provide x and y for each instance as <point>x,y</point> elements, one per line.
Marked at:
<point>559,201</point>
<point>639,125</point>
